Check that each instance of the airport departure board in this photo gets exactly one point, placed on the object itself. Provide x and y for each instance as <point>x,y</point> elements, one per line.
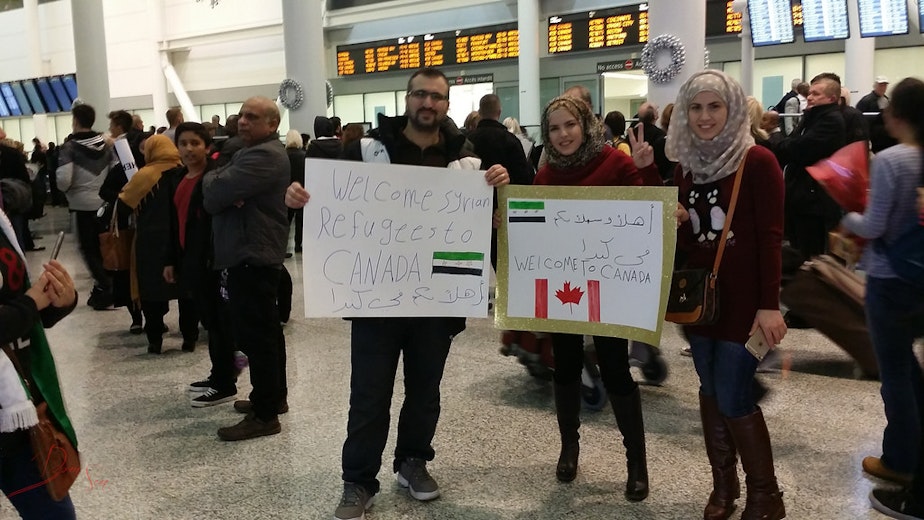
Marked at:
<point>771,22</point>
<point>600,29</point>
<point>825,20</point>
<point>481,44</point>
<point>883,17</point>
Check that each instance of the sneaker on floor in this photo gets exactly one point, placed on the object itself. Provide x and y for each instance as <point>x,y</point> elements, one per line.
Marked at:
<point>136,328</point>
<point>414,476</point>
<point>249,428</point>
<point>896,503</point>
<point>189,345</point>
<point>875,467</point>
<point>354,503</point>
<point>685,351</point>
<point>200,386</point>
<point>211,397</point>
<point>245,406</point>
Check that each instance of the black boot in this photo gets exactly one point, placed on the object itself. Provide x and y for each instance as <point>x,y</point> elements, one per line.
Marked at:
<point>628,411</point>
<point>720,448</point>
<point>764,498</point>
<point>568,409</point>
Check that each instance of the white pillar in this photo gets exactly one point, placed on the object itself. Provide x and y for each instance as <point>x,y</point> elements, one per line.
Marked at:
<point>859,59</point>
<point>189,111</point>
<point>306,62</point>
<point>34,48</point>
<point>158,81</point>
<point>528,62</point>
<point>687,21</point>
<point>90,51</point>
<point>747,49</point>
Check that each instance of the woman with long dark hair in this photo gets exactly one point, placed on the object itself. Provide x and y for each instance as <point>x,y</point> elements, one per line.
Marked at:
<point>895,205</point>
<point>710,137</point>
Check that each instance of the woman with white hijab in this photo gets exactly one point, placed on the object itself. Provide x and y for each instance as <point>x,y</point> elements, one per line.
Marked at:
<point>710,137</point>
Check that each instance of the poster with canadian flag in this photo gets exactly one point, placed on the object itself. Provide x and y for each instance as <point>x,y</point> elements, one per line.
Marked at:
<point>586,260</point>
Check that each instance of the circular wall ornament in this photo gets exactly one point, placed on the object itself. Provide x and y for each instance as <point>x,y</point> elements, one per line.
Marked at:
<point>291,94</point>
<point>663,42</point>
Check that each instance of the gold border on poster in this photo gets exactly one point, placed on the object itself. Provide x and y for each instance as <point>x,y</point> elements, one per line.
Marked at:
<point>666,195</point>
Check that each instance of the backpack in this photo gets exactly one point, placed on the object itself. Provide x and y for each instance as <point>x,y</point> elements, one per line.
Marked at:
<point>906,254</point>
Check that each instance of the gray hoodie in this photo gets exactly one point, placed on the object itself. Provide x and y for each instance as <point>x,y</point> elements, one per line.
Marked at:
<point>83,165</point>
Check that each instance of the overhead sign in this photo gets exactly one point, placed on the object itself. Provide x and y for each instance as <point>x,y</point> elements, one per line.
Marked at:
<point>461,47</point>
<point>618,66</point>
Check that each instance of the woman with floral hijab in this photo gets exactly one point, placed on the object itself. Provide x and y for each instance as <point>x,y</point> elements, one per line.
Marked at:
<point>710,137</point>
<point>579,156</point>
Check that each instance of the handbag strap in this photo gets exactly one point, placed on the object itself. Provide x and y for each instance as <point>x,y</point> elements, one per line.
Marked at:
<point>113,222</point>
<point>731,213</point>
<point>8,350</point>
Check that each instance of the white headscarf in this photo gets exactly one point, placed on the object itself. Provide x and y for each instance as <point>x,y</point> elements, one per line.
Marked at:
<point>712,160</point>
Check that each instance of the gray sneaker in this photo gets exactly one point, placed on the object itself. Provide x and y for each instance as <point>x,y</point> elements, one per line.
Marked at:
<point>354,503</point>
<point>414,476</point>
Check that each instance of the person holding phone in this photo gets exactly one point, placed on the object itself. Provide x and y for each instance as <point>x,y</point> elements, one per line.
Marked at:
<point>710,137</point>
<point>25,311</point>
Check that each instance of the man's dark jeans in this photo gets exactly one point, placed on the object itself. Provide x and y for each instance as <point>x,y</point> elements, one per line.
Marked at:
<point>376,345</point>
<point>88,230</point>
<point>257,331</point>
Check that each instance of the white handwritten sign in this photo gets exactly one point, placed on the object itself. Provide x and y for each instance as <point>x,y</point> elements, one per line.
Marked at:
<point>591,260</point>
<point>395,240</point>
<point>124,151</point>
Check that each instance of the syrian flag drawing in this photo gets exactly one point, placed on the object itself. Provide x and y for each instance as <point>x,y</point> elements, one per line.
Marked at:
<point>525,211</point>
<point>458,263</point>
<point>570,296</point>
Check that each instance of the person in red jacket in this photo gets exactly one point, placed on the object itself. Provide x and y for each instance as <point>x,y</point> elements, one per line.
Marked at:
<point>578,156</point>
<point>710,137</point>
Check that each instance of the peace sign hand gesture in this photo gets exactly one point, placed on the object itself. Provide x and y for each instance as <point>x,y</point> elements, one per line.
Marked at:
<point>642,152</point>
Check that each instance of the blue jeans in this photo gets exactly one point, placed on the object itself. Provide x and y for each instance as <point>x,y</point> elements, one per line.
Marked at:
<point>887,301</point>
<point>726,371</point>
<point>376,345</point>
<point>18,472</point>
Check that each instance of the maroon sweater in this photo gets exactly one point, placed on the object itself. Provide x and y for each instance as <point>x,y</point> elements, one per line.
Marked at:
<point>749,276</point>
<point>609,168</point>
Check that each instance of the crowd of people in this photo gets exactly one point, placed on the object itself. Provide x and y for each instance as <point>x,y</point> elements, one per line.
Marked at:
<point>211,220</point>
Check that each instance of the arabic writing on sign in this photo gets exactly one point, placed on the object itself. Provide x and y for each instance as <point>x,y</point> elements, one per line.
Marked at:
<point>618,220</point>
<point>559,250</point>
<point>390,240</point>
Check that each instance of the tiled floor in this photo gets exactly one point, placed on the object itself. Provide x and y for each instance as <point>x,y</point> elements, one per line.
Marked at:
<point>149,455</point>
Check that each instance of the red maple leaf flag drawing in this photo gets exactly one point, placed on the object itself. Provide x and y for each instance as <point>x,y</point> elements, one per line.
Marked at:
<point>568,295</point>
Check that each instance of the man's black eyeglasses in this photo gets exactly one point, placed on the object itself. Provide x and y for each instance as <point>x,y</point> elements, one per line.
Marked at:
<point>422,94</point>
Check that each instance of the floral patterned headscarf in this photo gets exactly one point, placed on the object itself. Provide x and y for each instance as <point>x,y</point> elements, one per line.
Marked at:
<point>593,133</point>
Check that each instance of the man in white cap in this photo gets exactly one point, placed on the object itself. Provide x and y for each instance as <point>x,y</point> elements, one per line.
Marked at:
<point>875,102</point>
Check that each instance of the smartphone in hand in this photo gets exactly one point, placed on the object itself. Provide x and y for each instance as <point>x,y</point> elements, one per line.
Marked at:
<point>57,249</point>
<point>758,345</point>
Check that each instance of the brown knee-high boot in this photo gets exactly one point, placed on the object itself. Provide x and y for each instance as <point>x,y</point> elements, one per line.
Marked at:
<point>568,410</point>
<point>720,448</point>
<point>764,498</point>
<point>628,411</point>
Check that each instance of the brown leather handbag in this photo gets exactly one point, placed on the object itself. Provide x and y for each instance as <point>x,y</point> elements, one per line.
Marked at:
<point>56,457</point>
<point>694,296</point>
<point>115,245</point>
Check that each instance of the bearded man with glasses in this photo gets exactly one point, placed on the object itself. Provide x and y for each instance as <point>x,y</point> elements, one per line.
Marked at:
<point>417,138</point>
